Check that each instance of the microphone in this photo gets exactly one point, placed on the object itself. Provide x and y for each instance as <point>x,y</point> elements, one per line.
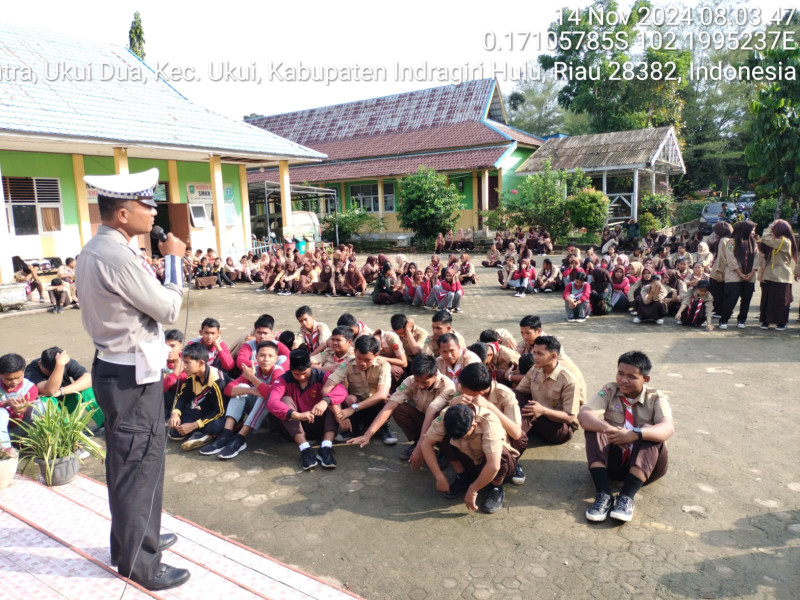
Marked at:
<point>158,233</point>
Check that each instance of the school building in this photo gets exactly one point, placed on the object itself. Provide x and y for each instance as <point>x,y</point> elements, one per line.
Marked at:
<point>459,130</point>
<point>71,107</point>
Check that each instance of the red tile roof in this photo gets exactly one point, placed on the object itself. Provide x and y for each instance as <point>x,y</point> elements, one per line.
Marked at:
<point>454,160</point>
<point>434,107</point>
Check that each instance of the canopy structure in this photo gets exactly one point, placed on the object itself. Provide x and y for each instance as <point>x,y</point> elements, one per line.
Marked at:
<point>643,156</point>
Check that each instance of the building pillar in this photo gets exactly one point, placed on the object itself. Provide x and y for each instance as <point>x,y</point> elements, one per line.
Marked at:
<point>475,207</point>
<point>172,182</point>
<point>286,194</point>
<point>380,202</point>
<point>485,197</point>
<point>245,193</point>
<point>499,183</point>
<point>6,245</point>
<point>344,198</point>
<point>218,203</point>
<point>635,199</point>
<point>81,198</point>
<point>653,182</point>
<point>605,183</point>
<point>121,161</point>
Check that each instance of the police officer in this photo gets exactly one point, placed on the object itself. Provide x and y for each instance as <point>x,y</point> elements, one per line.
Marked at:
<point>123,306</point>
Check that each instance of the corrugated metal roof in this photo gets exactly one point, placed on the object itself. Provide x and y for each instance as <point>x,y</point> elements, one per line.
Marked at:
<point>467,160</point>
<point>148,112</point>
<point>399,113</point>
<point>616,149</point>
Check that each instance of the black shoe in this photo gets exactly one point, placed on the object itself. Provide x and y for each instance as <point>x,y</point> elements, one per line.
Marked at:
<point>165,540</point>
<point>175,436</point>
<point>167,577</point>
<point>235,445</point>
<point>407,452</point>
<point>623,508</point>
<point>343,436</point>
<point>519,476</point>
<point>218,444</point>
<point>307,458</point>
<point>198,439</point>
<point>494,499</point>
<point>325,457</point>
<point>59,309</point>
<point>458,487</point>
<point>388,437</point>
<point>598,511</point>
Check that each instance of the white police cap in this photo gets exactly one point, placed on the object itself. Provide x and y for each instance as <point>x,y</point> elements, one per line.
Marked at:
<point>135,186</point>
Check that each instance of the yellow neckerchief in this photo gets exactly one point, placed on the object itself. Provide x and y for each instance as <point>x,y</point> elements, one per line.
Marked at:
<point>775,251</point>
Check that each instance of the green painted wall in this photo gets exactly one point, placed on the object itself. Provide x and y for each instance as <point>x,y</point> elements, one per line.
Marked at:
<point>39,164</point>
<point>510,179</point>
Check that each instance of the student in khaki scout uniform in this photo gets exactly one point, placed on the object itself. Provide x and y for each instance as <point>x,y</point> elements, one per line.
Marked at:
<point>411,335</point>
<point>312,333</point>
<point>627,426</point>
<point>358,327</point>
<point>479,453</point>
<point>442,322</point>
<point>503,336</point>
<point>339,352</point>
<point>475,386</point>
<point>392,350</point>
<point>415,405</point>
<point>741,268</point>
<point>548,395</point>
<point>501,359</point>
<point>368,380</point>
<point>452,357</point>
<point>123,304</point>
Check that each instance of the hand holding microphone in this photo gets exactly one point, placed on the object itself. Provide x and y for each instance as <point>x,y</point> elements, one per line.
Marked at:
<point>168,244</point>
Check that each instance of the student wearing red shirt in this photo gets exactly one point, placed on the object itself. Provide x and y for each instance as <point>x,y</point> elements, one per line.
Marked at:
<point>18,396</point>
<point>219,356</point>
<point>521,278</point>
<point>247,395</point>
<point>576,298</point>
<point>296,399</point>
<point>449,292</point>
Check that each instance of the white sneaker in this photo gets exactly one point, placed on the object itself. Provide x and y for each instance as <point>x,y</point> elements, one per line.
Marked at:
<point>580,320</point>
<point>634,313</point>
<point>637,320</point>
<point>740,325</point>
<point>516,295</point>
<point>659,321</point>
<point>522,294</point>
<point>547,291</point>
<point>723,325</point>
<point>570,320</point>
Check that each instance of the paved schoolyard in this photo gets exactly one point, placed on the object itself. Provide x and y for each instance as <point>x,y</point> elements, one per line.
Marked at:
<point>723,523</point>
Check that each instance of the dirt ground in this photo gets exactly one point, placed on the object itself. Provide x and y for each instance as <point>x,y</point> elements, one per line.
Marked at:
<point>723,523</point>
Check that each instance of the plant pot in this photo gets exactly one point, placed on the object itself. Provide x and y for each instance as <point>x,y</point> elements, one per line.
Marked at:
<point>8,468</point>
<point>64,469</point>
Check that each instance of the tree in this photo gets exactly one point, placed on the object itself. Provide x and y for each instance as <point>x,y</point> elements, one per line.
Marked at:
<point>136,36</point>
<point>427,205</point>
<point>588,208</point>
<point>613,101</point>
<point>540,199</point>
<point>773,155</point>
<point>350,222</point>
<point>533,107</point>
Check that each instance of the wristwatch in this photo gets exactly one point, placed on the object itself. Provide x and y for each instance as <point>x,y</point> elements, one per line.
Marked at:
<point>638,431</point>
<point>354,406</point>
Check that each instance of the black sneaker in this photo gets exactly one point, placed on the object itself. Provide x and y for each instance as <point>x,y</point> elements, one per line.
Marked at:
<point>218,444</point>
<point>233,447</point>
<point>325,457</point>
<point>307,458</point>
<point>494,499</point>
<point>458,487</point>
<point>388,437</point>
<point>343,436</point>
<point>198,439</point>
<point>407,452</point>
<point>598,511</point>
<point>519,476</point>
<point>623,508</point>
<point>175,436</point>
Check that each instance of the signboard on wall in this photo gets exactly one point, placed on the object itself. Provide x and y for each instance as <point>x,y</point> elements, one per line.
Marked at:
<point>199,193</point>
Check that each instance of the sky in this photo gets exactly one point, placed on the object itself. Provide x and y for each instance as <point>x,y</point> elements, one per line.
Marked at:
<point>251,52</point>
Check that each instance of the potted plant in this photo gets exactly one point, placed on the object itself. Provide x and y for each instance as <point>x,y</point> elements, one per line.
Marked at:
<point>9,459</point>
<point>54,439</point>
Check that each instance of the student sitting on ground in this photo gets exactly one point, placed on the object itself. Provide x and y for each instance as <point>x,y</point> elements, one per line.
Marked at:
<point>359,328</point>
<point>59,294</point>
<point>697,308</point>
<point>174,375</point>
<point>492,257</point>
<point>576,298</point>
<point>649,306</point>
<point>452,357</point>
<point>479,453</point>
<point>263,331</point>
<point>219,356</point>
<point>368,381</point>
<point>500,359</point>
<point>415,404</point>
<point>411,335</point>
<point>549,278</point>
<point>504,274</point>
<point>298,402</point>
<point>247,395</point>
<point>338,352</point>
<point>449,292</point>
<point>627,425</point>
<point>392,350</point>
<point>200,404</point>
<point>441,323</point>
<point>313,335</point>
<point>466,272</point>
<point>601,292</point>
<point>29,275</point>
<point>56,375</point>
<point>19,397</point>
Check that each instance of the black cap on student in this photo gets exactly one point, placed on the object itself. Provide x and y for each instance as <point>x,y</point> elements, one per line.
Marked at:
<point>299,359</point>
<point>703,283</point>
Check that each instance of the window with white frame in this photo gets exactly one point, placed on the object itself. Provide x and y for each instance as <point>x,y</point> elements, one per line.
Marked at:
<point>366,197</point>
<point>33,205</point>
<point>388,197</point>
<point>202,215</point>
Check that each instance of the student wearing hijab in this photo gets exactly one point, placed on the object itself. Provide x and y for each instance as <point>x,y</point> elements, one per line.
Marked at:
<point>649,306</point>
<point>492,257</point>
<point>545,243</point>
<point>576,298</point>
<point>780,265</point>
<point>620,285</point>
<point>549,278</point>
<point>370,269</point>
<point>449,292</point>
<point>601,292</point>
<point>741,267</point>
<point>384,292</point>
<point>326,283</point>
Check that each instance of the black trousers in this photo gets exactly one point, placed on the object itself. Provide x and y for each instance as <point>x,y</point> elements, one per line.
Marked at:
<point>135,441</point>
<point>741,291</point>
